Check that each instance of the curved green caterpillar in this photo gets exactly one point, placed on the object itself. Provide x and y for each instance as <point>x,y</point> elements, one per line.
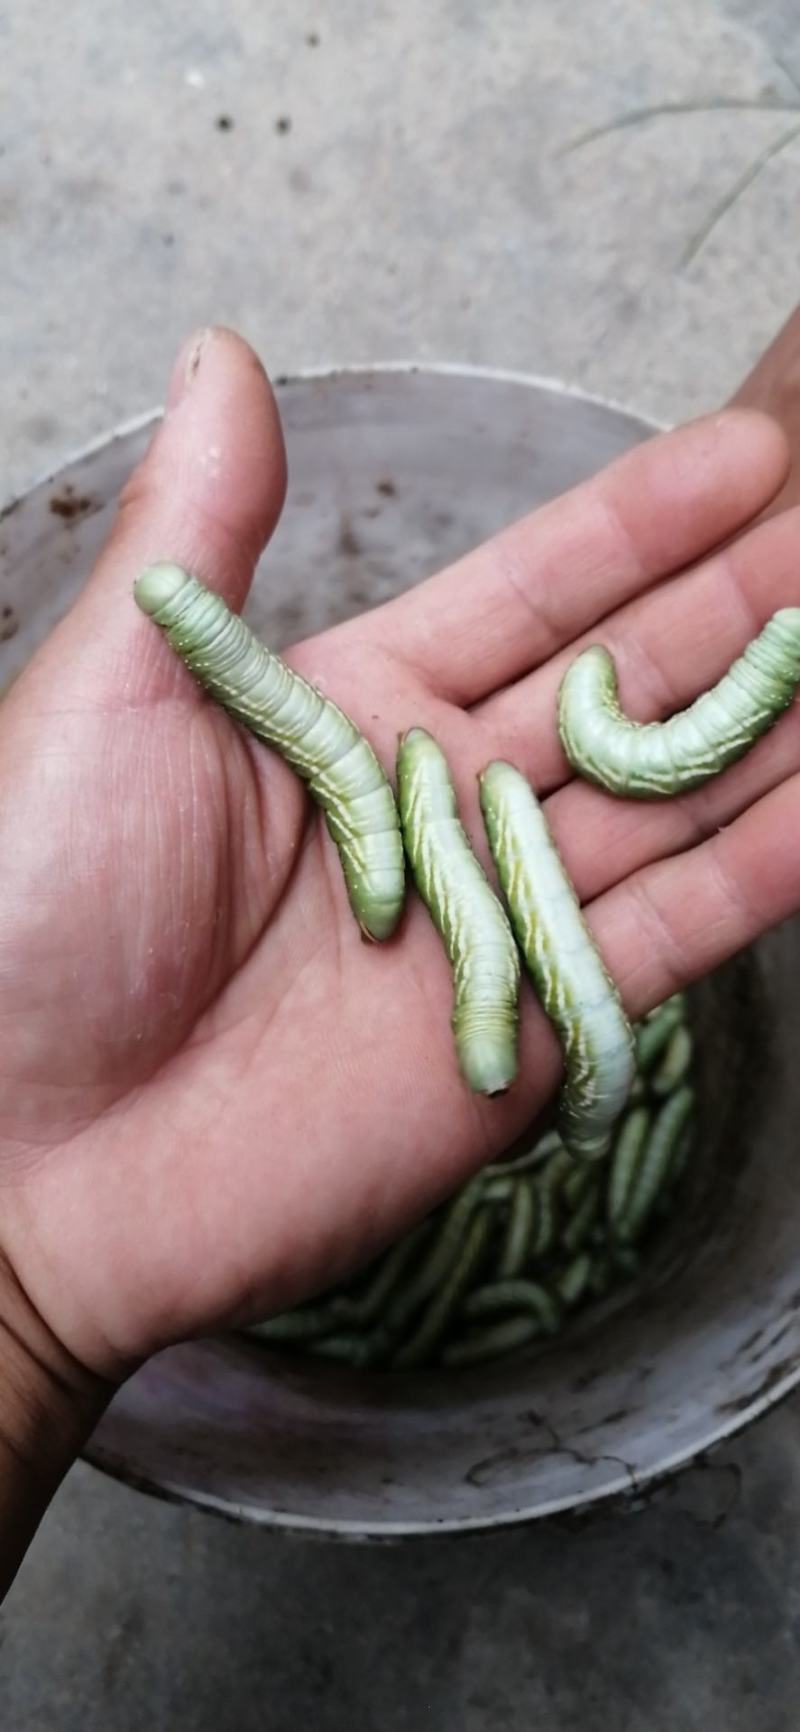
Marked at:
<point>654,1164</point>
<point>651,760</point>
<point>576,991</point>
<point>473,927</point>
<point>313,735</point>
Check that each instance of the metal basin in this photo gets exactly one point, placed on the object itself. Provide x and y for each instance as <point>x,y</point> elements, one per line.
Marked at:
<point>393,472</point>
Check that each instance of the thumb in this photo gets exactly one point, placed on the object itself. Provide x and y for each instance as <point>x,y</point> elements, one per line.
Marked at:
<point>207,496</point>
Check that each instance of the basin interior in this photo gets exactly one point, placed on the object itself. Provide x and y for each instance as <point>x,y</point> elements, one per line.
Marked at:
<point>393,473</point>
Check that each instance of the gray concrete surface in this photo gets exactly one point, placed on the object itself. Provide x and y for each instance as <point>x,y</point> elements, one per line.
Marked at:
<point>393,180</point>
<point>684,1617</point>
<point>348,182</point>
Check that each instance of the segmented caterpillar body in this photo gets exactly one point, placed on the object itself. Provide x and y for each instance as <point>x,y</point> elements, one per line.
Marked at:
<point>311,733</point>
<point>575,989</point>
<point>653,760</point>
<point>473,927</point>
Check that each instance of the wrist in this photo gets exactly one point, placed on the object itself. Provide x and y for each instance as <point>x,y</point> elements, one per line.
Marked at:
<point>49,1404</point>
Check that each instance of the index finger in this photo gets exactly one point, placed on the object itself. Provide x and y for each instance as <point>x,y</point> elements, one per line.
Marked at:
<point>512,603</point>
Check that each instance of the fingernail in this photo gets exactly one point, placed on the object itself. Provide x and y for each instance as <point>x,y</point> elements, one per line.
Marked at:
<point>186,368</point>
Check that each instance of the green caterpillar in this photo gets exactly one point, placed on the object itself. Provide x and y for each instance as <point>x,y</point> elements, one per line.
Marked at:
<point>652,760</point>
<point>575,988</point>
<point>313,735</point>
<point>473,927</point>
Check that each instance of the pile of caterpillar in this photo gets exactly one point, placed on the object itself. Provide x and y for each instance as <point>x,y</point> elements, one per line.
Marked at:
<point>521,1246</point>
<point>598,1152</point>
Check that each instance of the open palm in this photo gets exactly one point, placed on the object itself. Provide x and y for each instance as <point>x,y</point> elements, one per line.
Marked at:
<point>214,1096</point>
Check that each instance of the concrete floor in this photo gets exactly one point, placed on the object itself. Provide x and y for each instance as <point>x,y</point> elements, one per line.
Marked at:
<point>344,183</point>
<point>683,1617</point>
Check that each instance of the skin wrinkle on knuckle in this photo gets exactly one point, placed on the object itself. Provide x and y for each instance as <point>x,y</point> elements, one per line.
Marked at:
<point>733,563</point>
<point>743,905</point>
<point>623,542</point>
<point>697,817</point>
<point>519,579</point>
<point>669,948</point>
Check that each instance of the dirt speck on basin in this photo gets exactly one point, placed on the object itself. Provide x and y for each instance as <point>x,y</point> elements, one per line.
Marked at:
<point>9,624</point>
<point>71,506</point>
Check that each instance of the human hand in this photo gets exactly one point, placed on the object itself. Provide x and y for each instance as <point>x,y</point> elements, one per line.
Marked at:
<point>214,1096</point>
